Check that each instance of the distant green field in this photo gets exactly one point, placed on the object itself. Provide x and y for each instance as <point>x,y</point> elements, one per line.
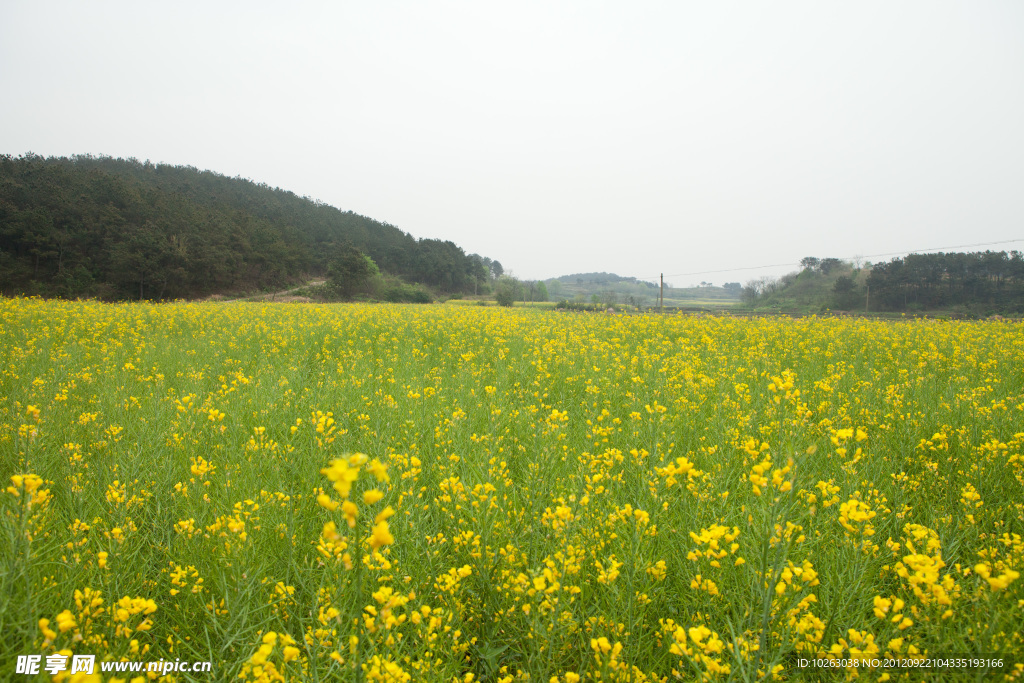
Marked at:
<point>492,302</point>
<point>669,303</point>
<point>710,303</point>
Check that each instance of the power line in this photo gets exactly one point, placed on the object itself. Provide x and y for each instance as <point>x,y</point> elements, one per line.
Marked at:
<point>847,258</point>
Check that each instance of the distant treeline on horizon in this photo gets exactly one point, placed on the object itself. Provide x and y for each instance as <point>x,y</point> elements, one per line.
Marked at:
<point>976,283</point>
<point>935,281</point>
<point>119,229</point>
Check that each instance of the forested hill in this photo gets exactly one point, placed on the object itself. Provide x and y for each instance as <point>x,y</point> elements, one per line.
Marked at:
<point>116,229</point>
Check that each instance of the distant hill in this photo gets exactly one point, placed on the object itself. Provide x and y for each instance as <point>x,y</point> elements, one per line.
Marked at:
<point>119,229</point>
<point>610,288</point>
<point>600,279</point>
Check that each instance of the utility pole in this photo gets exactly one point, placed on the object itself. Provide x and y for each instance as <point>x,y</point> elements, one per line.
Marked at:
<point>661,295</point>
<point>867,300</point>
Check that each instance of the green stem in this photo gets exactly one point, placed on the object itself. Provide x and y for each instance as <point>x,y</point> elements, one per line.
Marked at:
<point>359,599</point>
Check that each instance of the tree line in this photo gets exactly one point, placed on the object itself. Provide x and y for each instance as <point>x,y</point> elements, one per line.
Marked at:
<point>988,281</point>
<point>977,283</point>
<point>110,228</point>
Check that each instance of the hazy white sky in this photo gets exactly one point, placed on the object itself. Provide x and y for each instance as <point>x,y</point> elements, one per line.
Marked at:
<point>560,137</point>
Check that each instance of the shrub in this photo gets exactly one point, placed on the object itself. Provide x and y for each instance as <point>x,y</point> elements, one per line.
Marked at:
<point>506,291</point>
<point>401,292</point>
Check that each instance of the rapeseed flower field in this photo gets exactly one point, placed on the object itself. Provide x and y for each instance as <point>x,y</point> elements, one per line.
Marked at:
<point>387,493</point>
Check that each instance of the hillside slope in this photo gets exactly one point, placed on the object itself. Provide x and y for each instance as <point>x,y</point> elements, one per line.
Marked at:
<point>119,229</point>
